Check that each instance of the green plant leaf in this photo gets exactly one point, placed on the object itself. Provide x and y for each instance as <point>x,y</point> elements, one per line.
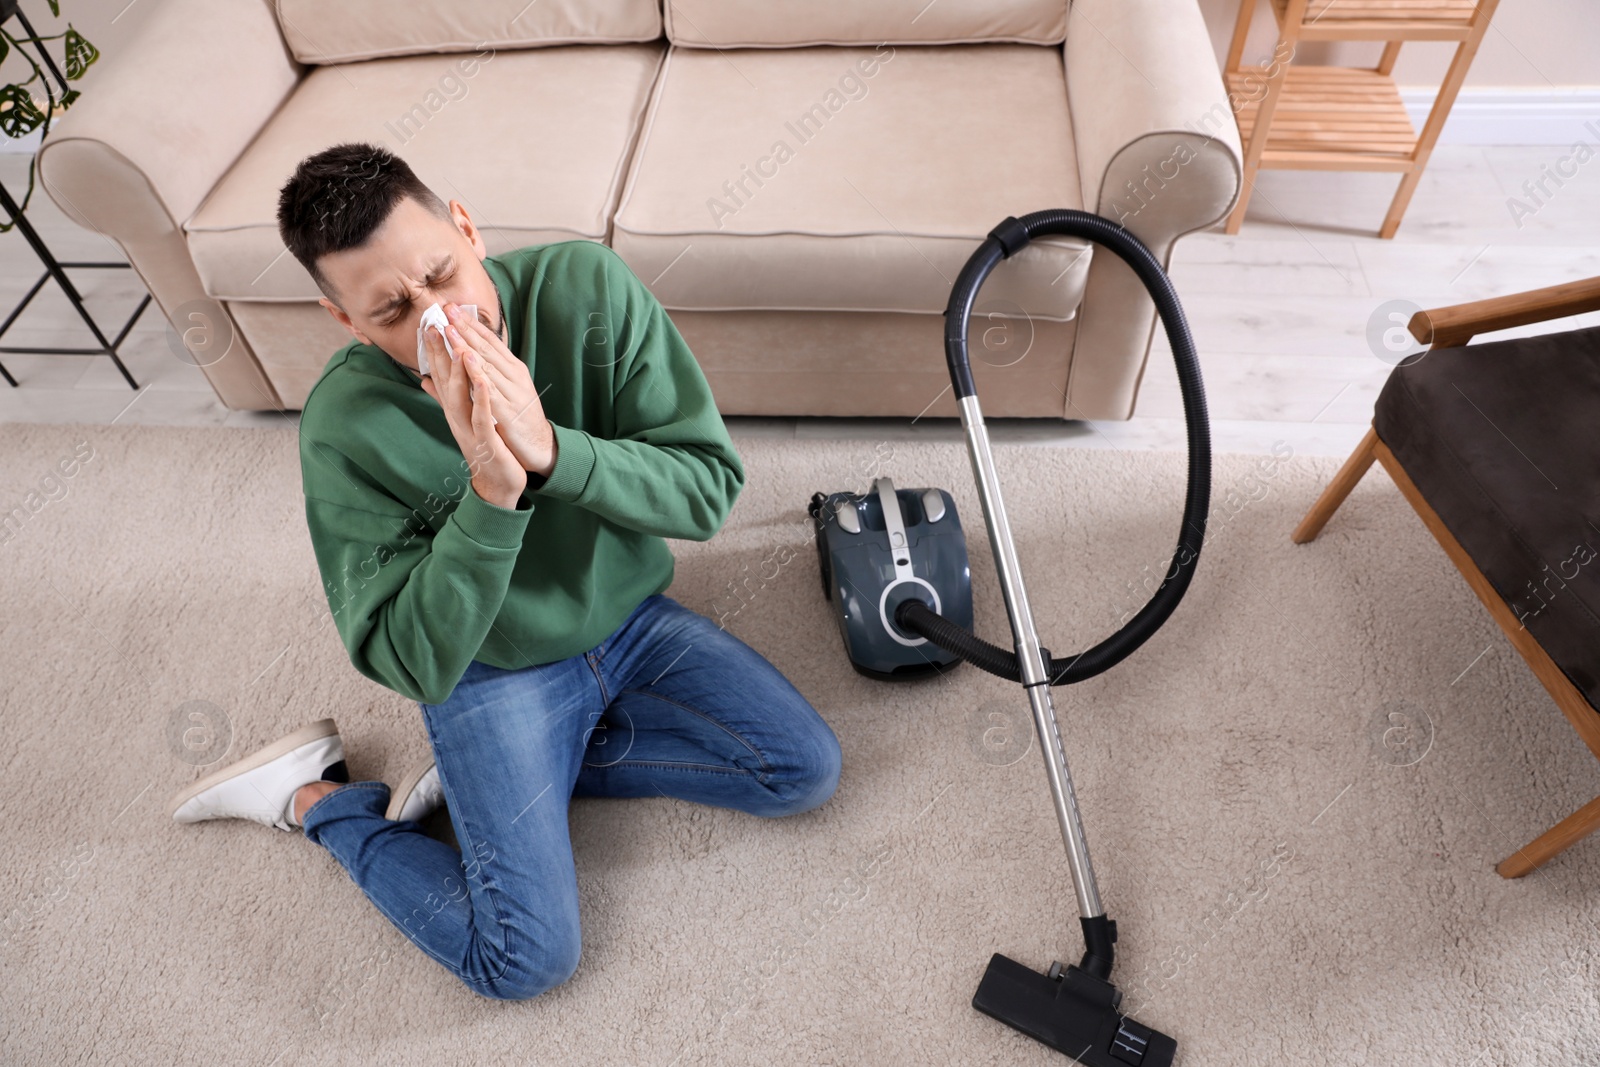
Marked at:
<point>66,101</point>
<point>19,115</point>
<point>5,49</point>
<point>80,54</point>
<point>55,8</point>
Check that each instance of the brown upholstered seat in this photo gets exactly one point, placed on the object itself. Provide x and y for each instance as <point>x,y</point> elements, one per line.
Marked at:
<point>1503,440</point>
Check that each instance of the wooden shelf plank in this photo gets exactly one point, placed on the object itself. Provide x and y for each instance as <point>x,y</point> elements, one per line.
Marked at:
<point>1382,20</point>
<point>1304,160</point>
<point>1334,118</point>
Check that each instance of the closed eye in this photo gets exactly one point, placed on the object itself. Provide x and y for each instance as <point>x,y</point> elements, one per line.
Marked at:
<point>401,310</point>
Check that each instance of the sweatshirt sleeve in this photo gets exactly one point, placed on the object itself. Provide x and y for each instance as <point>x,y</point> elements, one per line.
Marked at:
<point>413,607</point>
<point>670,469</point>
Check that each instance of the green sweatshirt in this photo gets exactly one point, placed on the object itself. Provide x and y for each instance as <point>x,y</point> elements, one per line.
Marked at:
<point>423,575</point>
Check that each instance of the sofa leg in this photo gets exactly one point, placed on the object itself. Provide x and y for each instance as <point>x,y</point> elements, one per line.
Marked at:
<point>1548,845</point>
<point>1337,490</point>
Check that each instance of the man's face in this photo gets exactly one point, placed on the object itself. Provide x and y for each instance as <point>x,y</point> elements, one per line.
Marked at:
<point>414,259</point>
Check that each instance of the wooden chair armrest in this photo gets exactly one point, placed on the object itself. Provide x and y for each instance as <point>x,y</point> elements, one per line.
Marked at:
<point>1457,324</point>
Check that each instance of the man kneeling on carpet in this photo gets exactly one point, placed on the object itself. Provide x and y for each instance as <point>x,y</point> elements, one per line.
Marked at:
<point>490,536</point>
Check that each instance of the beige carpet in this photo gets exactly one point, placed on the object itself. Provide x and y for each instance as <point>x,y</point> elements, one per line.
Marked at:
<point>1295,794</point>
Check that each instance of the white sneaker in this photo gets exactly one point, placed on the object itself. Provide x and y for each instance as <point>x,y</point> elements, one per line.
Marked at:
<point>417,794</point>
<point>261,786</point>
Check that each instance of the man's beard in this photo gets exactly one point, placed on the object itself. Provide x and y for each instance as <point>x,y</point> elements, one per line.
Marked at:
<point>505,327</point>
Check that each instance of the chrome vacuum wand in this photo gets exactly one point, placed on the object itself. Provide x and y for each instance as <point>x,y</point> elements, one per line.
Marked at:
<point>1072,1008</point>
<point>1031,660</point>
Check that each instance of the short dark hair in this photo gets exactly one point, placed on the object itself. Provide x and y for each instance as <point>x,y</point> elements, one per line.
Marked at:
<point>337,198</point>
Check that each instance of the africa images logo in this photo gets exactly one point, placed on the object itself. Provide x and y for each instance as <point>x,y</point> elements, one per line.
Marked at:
<point>1537,190</point>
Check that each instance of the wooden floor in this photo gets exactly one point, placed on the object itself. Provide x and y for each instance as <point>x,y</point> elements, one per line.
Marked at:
<point>1280,312</point>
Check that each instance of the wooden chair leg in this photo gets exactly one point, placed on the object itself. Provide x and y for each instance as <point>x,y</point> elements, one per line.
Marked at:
<point>1337,490</point>
<point>1548,845</point>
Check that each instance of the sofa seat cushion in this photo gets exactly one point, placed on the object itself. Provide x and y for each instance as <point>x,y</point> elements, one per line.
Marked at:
<point>534,143</point>
<point>851,179</point>
<point>1500,440</point>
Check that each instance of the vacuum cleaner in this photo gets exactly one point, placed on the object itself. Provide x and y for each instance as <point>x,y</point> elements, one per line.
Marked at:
<point>877,550</point>
<point>894,564</point>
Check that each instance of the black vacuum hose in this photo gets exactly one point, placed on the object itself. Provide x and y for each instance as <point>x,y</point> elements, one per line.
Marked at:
<point>914,616</point>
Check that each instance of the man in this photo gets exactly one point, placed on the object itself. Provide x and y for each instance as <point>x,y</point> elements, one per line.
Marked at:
<point>490,537</point>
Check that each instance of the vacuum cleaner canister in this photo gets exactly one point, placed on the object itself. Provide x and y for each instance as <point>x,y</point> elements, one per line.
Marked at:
<point>880,548</point>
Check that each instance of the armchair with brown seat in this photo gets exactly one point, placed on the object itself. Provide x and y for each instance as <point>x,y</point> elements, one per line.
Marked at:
<point>1495,446</point>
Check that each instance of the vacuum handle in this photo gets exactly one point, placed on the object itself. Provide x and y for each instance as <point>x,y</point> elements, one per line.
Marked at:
<point>1005,240</point>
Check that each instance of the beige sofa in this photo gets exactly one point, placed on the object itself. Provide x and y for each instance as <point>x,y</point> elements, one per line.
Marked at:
<point>798,183</point>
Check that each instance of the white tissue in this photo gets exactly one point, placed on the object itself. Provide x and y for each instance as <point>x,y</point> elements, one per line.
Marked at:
<point>434,318</point>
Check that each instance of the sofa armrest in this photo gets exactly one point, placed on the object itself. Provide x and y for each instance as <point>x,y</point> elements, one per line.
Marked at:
<point>1158,152</point>
<point>174,108</point>
<point>157,126</point>
<point>1457,324</point>
<point>1142,80</point>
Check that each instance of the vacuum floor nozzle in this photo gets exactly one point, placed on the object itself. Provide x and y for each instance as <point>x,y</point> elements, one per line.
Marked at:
<point>1075,1014</point>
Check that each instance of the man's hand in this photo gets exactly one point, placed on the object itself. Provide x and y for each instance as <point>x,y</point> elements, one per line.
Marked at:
<point>514,400</point>
<point>465,393</point>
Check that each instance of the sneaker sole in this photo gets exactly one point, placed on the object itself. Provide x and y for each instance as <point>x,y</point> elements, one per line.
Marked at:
<point>403,791</point>
<point>281,747</point>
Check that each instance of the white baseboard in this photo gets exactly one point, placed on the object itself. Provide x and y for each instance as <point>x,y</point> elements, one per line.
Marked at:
<point>1512,116</point>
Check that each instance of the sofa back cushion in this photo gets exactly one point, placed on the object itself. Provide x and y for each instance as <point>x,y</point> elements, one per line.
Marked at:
<point>796,23</point>
<point>342,31</point>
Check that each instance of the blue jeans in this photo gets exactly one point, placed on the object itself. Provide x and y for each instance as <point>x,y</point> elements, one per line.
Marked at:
<point>668,705</point>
